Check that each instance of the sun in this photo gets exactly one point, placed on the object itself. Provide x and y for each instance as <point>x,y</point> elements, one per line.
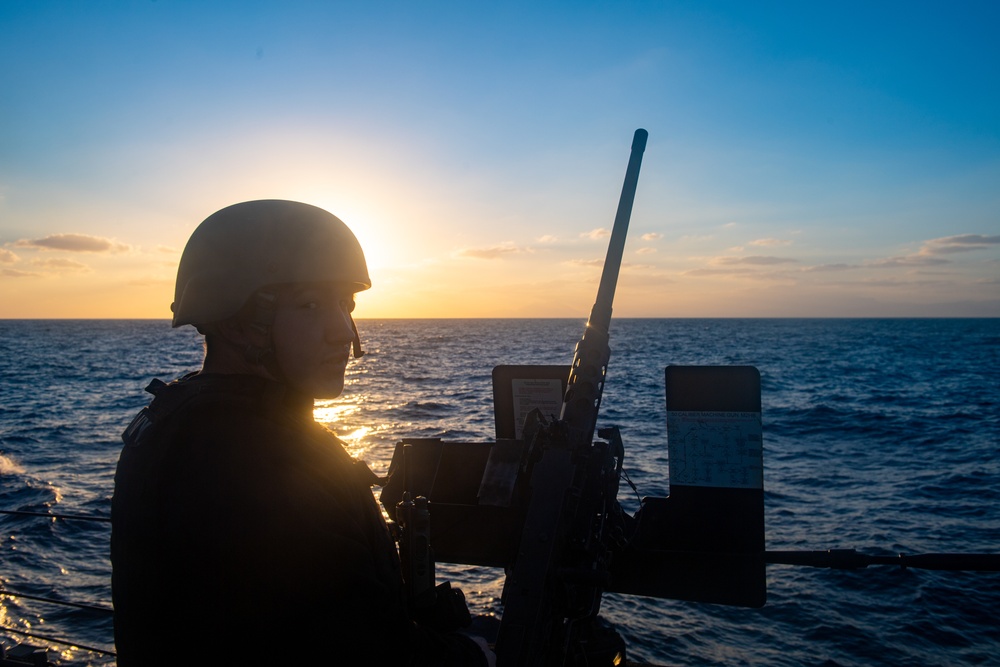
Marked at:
<point>369,225</point>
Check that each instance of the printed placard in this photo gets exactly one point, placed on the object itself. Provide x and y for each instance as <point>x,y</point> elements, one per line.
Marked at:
<point>718,449</point>
<point>544,394</point>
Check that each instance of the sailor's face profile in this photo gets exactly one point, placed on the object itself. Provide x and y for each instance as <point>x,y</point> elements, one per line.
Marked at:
<point>312,336</point>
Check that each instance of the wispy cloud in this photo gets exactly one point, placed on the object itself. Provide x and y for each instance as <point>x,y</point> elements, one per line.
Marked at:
<point>645,251</point>
<point>548,238</point>
<point>16,273</point>
<point>771,243</point>
<point>930,253</point>
<point>629,266</point>
<point>586,262</point>
<point>60,264</point>
<point>948,245</point>
<point>495,252</point>
<point>595,234</point>
<point>716,272</point>
<point>821,268</point>
<point>752,260</point>
<point>652,236</point>
<point>8,257</point>
<point>907,261</point>
<point>73,243</point>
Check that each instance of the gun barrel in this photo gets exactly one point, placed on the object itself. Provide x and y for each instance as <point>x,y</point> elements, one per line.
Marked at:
<point>600,317</point>
<point>585,385</point>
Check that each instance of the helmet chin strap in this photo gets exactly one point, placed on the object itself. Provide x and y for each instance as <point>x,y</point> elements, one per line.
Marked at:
<point>261,321</point>
<point>356,345</point>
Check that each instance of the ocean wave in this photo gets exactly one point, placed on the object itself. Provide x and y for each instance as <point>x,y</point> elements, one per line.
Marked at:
<point>881,435</point>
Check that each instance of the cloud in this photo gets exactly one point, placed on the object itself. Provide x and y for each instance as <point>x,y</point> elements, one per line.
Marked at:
<point>73,243</point>
<point>715,272</point>
<point>595,234</point>
<point>930,252</point>
<point>628,266</point>
<point>770,243</point>
<point>962,243</point>
<point>585,262</point>
<point>15,273</point>
<point>548,238</point>
<point>8,257</point>
<point>652,236</point>
<point>645,251</point>
<point>753,260</point>
<point>60,264</point>
<point>495,252</point>
<point>907,261</point>
<point>828,267</point>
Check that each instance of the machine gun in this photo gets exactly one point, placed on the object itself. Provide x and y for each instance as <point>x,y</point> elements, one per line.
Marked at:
<point>553,590</point>
<point>549,497</point>
<point>541,501</point>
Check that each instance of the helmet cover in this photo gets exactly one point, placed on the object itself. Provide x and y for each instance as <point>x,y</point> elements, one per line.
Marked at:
<point>247,246</point>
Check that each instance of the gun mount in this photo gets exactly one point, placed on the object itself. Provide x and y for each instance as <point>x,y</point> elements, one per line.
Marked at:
<point>703,543</point>
<point>541,501</point>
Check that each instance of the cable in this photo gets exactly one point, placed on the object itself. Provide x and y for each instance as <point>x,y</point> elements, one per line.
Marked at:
<point>633,487</point>
<point>47,515</point>
<point>66,603</point>
<point>850,559</point>
<point>92,649</point>
<point>79,605</point>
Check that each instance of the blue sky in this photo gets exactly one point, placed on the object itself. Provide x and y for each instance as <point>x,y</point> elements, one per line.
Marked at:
<point>804,159</point>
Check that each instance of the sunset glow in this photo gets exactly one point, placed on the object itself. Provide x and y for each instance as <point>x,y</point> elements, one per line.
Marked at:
<point>802,161</point>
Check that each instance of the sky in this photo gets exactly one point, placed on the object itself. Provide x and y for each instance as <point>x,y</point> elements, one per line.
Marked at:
<point>805,159</point>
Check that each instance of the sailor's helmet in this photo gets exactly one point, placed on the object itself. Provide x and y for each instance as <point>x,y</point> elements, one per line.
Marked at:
<point>248,246</point>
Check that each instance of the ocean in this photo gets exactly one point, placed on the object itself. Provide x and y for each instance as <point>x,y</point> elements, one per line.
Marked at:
<point>879,434</point>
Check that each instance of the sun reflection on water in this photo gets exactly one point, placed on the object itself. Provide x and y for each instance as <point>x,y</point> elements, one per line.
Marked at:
<point>357,437</point>
<point>328,413</point>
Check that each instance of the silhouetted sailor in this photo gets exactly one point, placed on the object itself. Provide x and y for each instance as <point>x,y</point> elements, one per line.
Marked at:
<point>243,532</point>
